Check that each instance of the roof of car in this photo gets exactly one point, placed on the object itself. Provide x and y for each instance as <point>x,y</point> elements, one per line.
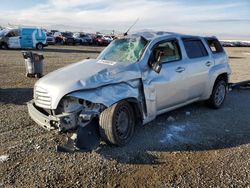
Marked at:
<point>155,34</point>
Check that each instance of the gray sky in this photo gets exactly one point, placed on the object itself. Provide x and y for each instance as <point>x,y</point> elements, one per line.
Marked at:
<point>227,19</point>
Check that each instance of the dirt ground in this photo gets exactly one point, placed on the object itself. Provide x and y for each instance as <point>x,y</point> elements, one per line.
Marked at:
<point>196,147</point>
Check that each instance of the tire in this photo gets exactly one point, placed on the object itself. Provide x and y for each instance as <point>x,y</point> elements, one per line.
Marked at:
<point>4,46</point>
<point>38,75</point>
<point>218,95</point>
<point>117,124</point>
<point>39,46</point>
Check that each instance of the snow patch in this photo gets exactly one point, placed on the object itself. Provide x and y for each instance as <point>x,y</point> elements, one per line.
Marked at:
<point>4,158</point>
<point>178,133</point>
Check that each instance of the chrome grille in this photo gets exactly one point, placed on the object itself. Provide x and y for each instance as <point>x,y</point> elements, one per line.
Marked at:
<point>42,98</point>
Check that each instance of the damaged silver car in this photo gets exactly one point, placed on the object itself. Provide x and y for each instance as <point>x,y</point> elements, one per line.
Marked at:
<point>132,81</point>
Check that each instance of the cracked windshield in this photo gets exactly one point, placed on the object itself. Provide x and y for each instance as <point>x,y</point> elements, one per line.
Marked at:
<point>126,50</point>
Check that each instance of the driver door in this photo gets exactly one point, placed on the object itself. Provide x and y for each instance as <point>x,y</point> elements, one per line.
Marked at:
<point>170,85</point>
<point>13,39</point>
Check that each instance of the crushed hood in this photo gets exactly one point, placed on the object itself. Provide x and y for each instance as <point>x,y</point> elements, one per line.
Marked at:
<point>85,75</point>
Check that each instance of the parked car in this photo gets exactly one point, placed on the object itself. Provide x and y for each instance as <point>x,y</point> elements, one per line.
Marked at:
<point>68,38</point>
<point>132,81</point>
<point>23,38</point>
<point>108,38</point>
<point>50,38</point>
<point>101,41</point>
<point>58,37</point>
<point>83,38</point>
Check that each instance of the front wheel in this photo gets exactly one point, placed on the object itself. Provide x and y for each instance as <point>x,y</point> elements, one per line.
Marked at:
<point>117,123</point>
<point>218,95</point>
<point>4,46</point>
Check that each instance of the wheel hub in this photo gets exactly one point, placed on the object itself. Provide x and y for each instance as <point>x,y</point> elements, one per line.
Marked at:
<point>122,123</point>
<point>220,94</point>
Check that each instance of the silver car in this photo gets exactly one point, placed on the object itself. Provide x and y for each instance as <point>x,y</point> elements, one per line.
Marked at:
<point>132,81</point>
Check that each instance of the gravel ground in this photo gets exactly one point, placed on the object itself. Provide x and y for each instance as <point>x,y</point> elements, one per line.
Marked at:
<point>190,147</point>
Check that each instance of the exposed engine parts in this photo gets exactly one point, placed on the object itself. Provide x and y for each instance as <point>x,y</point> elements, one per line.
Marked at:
<point>73,112</point>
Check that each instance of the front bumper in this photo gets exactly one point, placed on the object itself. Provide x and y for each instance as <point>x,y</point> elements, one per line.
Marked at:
<point>40,118</point>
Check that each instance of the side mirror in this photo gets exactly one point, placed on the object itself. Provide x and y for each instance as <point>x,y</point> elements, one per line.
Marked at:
<point>155,64</point>
<point>157,67</point>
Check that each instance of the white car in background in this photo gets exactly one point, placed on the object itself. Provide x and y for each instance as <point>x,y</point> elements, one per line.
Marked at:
<point>108,38</point>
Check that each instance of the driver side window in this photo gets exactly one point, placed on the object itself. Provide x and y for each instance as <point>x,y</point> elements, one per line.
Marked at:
<point>13,33</point>
<point>167,51</point>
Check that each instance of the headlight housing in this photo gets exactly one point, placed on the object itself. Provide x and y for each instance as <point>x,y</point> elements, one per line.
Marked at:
<point>69,104</point>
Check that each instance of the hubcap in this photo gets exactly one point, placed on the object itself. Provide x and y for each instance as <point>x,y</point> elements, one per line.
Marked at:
<point>123,122</point>
<point>220,94</point>
<point>40,47</point>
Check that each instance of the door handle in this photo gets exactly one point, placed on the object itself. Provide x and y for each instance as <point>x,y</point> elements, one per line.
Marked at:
<point>208,64</point>
<point>179,69</point>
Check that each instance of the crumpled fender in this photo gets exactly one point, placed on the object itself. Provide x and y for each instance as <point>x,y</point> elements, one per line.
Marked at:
<point>110,94</point>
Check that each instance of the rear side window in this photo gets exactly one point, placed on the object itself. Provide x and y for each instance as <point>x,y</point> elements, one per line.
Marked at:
<point>195,48</point>
<point>214,45</point>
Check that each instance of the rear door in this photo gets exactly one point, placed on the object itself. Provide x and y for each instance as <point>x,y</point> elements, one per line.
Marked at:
<point>199,63</point>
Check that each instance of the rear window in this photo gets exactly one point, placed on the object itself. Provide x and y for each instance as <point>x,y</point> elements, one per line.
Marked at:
<point>195,48</point>
<point>214,45</point>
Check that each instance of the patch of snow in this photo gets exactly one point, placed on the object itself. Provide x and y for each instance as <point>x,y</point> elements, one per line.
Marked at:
<point>178,133</point>
<point>4,158</point>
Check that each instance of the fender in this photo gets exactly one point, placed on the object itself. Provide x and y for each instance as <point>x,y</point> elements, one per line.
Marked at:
<point>110,94</point>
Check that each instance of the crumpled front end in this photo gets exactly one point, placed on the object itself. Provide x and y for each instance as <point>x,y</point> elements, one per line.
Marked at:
<point>71,96</point>
<point>79,107</point>
<point>71,112</point>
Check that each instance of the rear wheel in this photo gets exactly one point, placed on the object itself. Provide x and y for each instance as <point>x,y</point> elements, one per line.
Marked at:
<point>39,46</point>
<point>117,123</point>
<point>218,95</point>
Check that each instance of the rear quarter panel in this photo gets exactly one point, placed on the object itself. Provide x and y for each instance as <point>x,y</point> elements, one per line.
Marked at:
<point>221,66</point>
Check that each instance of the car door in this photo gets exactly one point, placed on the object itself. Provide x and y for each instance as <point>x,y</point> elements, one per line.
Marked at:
<point>13,39</point>
<point>27,38</point>
<point>199,62</point>
<point>169,84</point>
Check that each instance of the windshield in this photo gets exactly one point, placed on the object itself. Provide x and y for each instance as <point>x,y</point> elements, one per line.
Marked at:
<point>67,34</point>
<point>126,50</point>
<point>83,35</point>
<point>49,34</point>
<point>3,32</point>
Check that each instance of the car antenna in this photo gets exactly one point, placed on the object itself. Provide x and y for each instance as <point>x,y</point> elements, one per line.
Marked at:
<point>126,33</point>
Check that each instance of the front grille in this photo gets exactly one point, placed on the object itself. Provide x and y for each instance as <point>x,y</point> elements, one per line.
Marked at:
<point>42,98</point>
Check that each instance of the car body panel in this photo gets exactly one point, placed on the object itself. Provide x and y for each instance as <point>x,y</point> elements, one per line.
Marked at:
<point>88,74</point>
